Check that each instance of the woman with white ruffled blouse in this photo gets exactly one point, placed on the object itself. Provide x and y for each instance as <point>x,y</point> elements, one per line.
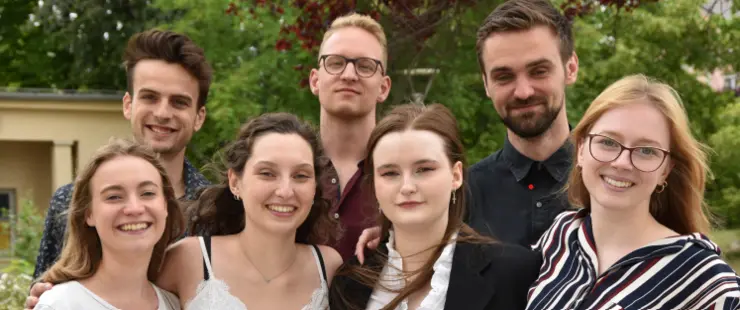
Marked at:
<point>428,258</point>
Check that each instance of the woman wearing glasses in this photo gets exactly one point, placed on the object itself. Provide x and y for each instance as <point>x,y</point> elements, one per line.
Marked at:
<point>638,242</point>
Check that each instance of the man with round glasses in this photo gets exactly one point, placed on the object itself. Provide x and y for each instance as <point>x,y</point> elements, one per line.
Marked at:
<point>350,80</point>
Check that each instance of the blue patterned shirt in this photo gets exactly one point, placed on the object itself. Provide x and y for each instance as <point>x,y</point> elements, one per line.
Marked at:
<point>56,219</point>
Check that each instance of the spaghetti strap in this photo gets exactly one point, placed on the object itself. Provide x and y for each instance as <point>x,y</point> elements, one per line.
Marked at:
<point>319,262</point>
<point>205,247</point>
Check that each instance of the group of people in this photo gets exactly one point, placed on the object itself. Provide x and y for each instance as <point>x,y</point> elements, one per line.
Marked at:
<point>366,214</point>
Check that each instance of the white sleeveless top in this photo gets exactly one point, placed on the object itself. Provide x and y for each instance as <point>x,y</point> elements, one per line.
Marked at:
<point>72,295</point>
<point>213,293</point>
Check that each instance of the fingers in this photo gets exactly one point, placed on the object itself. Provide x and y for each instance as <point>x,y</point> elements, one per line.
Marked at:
<point>31,302</point>
<point>38,289</point>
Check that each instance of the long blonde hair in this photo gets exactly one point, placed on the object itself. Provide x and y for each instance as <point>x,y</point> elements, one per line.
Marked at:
<point>681,205</point>
<point>82,252</point>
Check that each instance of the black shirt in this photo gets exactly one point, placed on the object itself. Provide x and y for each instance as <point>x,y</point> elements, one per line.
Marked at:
<point>514,198</point>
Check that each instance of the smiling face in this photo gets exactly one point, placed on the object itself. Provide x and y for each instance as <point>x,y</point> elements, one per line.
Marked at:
<point>526,79</point>
<point>347,95</point>
<point>414,179</point>
<point>278,184</point>
<point>163,108</point>
<point>618,184</point>
<point>128,207</point>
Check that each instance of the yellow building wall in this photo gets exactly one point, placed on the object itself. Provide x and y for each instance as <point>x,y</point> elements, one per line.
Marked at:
<point>25,168</point>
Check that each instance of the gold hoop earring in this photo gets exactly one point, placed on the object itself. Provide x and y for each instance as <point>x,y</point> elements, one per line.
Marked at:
<point>661,187</point>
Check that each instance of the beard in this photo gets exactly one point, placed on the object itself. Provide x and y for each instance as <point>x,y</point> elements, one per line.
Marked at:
<point>532,124</point>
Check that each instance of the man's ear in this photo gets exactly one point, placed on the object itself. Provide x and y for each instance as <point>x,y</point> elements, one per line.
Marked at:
<point>313,81</point>
<point>200,118</point>
<point>127,105</point>
<point>385,89</point>
<point>571,67</point>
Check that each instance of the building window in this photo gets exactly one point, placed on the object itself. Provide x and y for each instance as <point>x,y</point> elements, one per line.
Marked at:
<point>7,203</point>
<point>7,208</point>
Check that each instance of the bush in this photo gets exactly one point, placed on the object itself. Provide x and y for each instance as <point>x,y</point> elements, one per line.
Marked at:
<point>15,281</point>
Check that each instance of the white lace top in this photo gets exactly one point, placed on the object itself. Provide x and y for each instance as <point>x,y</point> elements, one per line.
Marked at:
<point>391,277</point>
<point>214,293</point>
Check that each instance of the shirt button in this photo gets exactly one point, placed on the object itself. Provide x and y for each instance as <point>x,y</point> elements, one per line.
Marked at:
<point>336,215</point>
<point>333,180</point>
<point>539,204</point>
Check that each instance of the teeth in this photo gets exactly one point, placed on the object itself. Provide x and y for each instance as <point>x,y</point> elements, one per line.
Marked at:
<point>281,209</point>
<point>132,227</point>
<point>615,183</point>
<point>160,129</point>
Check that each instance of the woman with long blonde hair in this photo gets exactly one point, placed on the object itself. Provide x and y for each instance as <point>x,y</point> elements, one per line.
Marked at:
<point>639,240</point>
<point>122,217</point>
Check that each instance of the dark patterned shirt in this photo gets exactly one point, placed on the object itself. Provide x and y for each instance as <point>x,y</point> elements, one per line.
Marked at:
<point>56,217</point>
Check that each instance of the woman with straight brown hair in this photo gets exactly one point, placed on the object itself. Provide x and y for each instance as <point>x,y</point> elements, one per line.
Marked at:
<point>122,217</point>
<point>428,258</point>
<point>639,240</point>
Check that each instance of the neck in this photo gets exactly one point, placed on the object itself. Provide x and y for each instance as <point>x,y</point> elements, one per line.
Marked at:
<point>416,245</point>
<point>174,164</point>
<point>345,140</point>
<point>121,276</point>
<point>626,229</point>
<point>543,146</point>
<point>270,253</point>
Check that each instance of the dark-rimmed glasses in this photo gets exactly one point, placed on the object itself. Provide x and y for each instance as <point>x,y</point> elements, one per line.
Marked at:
<point>364,66</point>
<point>644,158</point>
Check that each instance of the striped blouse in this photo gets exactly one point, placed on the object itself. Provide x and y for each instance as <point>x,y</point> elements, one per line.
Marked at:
<point>682,272</point>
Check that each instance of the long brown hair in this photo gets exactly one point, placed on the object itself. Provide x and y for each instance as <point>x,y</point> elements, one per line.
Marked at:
<point>438,119</point>
<point>82,252</point>
<point>217,212</point>
<point>681,205</point>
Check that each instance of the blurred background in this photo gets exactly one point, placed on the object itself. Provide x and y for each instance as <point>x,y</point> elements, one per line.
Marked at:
<point>61,82</point>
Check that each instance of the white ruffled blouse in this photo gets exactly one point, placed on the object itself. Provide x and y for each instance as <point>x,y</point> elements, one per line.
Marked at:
<point>392,277</point>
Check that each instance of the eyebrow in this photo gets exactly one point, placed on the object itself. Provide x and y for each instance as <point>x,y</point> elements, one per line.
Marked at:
<point>536,63</point>
<point>176,96</point>
<point>418,162</point>
<point>639,142</point>
<point>272,164</point>
<point>119,187</point>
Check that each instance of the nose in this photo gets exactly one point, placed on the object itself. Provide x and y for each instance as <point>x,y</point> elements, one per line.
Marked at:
<point>162,110</point>
<point>408,187</point>
<point>134,206</point>
<point>349,72</point>
<point>523,89</point>
<point>623,161</point>
<point>284,189</point>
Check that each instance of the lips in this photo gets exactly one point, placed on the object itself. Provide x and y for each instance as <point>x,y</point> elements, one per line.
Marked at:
<point>409,204</point>
<point>160,129</point>
<point>341,90</point>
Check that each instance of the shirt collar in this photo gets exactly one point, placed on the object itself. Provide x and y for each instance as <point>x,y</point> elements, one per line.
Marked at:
<point>558,164</point>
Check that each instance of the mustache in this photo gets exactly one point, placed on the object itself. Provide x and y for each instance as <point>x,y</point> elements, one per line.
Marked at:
<point>528,101</point>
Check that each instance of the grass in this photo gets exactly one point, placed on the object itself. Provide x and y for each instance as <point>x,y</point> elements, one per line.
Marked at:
<point>724,239</point>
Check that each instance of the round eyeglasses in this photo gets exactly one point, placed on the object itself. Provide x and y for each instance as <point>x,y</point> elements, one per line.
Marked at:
<point>644,158</point>
<point>364,66</point>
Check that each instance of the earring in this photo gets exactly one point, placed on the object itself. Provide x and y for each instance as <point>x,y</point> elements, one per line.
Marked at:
<point>454,199</point>
<point>236,197</point>
<point>661,187</point>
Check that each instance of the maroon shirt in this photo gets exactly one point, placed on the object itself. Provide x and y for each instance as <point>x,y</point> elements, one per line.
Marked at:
<point>355,207</point>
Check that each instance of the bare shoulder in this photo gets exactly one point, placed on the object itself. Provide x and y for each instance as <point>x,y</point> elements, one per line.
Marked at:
<point>332,261</point>
<point>182,265</point>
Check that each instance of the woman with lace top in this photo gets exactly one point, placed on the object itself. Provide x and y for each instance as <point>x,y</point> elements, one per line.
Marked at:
<point>122,217</point>
<point>428,258</point>
<point>261,225</point>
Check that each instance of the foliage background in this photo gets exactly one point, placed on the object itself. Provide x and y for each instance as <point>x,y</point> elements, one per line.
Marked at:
<point>262,51</point>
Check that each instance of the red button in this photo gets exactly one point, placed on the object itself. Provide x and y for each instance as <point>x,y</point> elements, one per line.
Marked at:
<point>531,187</point>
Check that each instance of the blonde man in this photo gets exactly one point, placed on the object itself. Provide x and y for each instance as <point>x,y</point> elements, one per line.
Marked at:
<point>350,80</point>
